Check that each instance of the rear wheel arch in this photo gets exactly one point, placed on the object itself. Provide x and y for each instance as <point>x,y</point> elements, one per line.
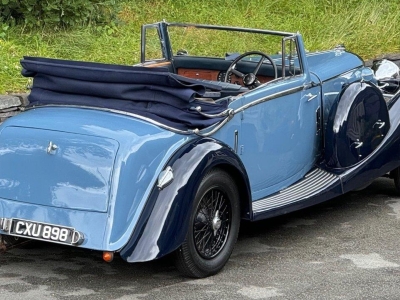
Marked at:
<point>164,220</point>
<point>242,184</point>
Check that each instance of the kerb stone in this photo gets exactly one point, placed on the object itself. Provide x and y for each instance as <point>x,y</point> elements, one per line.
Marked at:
<point>7,101</point>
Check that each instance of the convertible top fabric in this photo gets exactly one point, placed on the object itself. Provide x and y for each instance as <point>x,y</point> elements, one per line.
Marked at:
<point>150,92</point>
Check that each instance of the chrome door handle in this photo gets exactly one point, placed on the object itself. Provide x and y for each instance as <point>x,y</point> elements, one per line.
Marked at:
<point>311,96</point>
<point>357,144</point>
<point>380,124</point>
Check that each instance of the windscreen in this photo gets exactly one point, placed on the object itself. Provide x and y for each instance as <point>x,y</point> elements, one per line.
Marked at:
<point>218,43</point>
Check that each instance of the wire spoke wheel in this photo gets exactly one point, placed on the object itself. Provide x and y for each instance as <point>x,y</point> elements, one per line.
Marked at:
<point>212,223</point>
<point>213,226</point>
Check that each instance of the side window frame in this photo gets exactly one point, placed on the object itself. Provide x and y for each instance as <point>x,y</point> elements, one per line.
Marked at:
<point>288,55</point>
<point>163,37</point>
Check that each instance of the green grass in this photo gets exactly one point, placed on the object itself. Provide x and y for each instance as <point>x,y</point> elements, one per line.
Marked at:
<point>366,27</point>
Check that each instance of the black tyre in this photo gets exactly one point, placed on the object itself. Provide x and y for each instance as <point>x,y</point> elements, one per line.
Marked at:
<point>213,228</point>
<point>395,174</point>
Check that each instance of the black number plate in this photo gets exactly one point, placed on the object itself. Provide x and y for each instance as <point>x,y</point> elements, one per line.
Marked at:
<point>43,231</point>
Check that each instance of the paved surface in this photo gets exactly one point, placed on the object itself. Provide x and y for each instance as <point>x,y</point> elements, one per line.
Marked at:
<point>347,248</point>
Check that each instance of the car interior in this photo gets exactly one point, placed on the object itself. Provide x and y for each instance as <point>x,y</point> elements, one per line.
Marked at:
<point>236,70</point>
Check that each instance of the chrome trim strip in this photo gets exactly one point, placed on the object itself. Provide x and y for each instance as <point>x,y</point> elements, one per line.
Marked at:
<point>236,142</point>
<point>203,133</point>
<point>322,52</point>
<point>270,97</point>
<point>283,59</point>
<point>241,29</point>
<point>221,114</point>
<point>229,113</point>
<point>216,128</point>
<point>268,83</point>
<point>388,96</point>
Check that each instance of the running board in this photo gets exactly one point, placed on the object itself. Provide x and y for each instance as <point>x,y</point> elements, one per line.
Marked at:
<point>312,184</point>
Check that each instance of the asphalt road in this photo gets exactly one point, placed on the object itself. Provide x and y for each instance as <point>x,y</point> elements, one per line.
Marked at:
<point>347,248</point>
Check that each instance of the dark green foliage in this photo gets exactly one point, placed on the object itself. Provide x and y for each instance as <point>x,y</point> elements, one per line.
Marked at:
<point>56,13</point>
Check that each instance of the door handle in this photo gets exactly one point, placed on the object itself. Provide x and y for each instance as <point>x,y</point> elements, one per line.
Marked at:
<point>380,124</point>
<point>311,96</point>
<point>357,144</point>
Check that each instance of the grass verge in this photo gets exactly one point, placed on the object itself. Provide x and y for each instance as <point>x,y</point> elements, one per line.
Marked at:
<point>367,27</point>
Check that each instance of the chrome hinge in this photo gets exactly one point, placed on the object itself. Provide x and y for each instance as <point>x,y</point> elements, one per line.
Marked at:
<point>236,141</point>
<point>51,147</point>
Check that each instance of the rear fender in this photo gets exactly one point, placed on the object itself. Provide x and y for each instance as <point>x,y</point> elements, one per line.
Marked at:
<point>163,224</point>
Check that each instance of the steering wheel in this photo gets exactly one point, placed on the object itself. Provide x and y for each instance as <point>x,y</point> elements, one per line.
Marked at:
<point>250,79</point>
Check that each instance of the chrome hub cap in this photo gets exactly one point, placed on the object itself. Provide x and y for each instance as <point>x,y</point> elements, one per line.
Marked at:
<point>216,223</point>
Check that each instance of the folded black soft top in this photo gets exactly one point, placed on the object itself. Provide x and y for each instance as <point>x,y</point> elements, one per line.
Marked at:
<point>150,92</point>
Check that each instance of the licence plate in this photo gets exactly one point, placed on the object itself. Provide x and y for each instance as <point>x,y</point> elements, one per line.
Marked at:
<point>44,232</point>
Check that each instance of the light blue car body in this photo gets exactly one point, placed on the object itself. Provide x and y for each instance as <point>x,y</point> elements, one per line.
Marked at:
<point>106,164</point>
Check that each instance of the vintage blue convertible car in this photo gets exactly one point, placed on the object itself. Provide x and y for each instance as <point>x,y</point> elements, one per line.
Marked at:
<point>216,124</point>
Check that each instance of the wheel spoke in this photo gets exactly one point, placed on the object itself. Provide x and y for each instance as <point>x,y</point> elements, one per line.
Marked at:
<point>202,212</point>
<point>206,247</point>
<point>237,73</point>
<point>212,223</point>
<point>258,65</point>
<point>222,202</point>
<point>204,228</point>
<point>222,211</point>
<point>215,206</point>
<point>208,203</point>
<point>201,241</point>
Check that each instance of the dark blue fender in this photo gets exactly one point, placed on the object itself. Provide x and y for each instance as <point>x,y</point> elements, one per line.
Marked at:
<point>382,161</point>
<point>357,125</point>
<point>374,129</point>
<point>163,224</point>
